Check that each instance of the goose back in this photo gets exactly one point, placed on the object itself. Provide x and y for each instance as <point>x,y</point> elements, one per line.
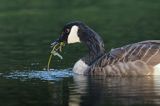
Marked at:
<point>134,59</point>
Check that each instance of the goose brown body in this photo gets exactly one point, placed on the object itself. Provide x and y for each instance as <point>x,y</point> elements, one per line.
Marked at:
<point>130,60</point>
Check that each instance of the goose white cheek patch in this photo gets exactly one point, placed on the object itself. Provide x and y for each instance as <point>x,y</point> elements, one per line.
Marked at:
<point>73,35</point>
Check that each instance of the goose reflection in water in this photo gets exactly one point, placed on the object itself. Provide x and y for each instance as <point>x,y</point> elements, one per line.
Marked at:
<point>63,88</point>
<point>101,91</point>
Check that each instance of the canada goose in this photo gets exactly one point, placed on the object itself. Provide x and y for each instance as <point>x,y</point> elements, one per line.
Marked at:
<point>142,58</point>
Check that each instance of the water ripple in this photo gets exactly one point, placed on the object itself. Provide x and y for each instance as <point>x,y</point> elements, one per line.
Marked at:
<point>42,75</point>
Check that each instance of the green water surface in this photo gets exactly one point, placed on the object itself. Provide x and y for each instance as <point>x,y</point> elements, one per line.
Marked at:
<point>27,27</point>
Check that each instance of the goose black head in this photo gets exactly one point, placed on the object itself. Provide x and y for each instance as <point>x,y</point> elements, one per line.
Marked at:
<point>77,31</point>
<point>72,32</point>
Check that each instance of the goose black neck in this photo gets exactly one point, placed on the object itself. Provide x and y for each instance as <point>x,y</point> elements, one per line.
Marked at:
<point>95,46</point>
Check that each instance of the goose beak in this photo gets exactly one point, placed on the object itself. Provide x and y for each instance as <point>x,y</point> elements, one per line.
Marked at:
<point>57,45</point>
<point>54,43</point>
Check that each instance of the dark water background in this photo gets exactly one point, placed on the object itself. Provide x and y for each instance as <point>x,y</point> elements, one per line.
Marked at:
<point>64,88</point>
<point>27,27</point>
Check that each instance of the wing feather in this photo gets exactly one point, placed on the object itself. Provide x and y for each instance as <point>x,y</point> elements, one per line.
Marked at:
<point>147,51</point>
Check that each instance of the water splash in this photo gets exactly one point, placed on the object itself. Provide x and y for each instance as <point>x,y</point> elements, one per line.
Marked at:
<point>42,75</point>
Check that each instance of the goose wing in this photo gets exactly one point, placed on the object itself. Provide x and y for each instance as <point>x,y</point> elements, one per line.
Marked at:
<point>146,51</point>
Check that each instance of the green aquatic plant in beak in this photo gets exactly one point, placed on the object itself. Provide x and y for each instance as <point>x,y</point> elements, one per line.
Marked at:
<point>57,47</point>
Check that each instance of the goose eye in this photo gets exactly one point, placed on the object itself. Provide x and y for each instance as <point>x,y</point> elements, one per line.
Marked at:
<point>67,30</point>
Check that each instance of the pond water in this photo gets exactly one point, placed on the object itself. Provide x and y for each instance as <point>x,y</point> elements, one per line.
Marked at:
<point>27,27</point>
<point>64,88</point>
<point>23,82</point>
